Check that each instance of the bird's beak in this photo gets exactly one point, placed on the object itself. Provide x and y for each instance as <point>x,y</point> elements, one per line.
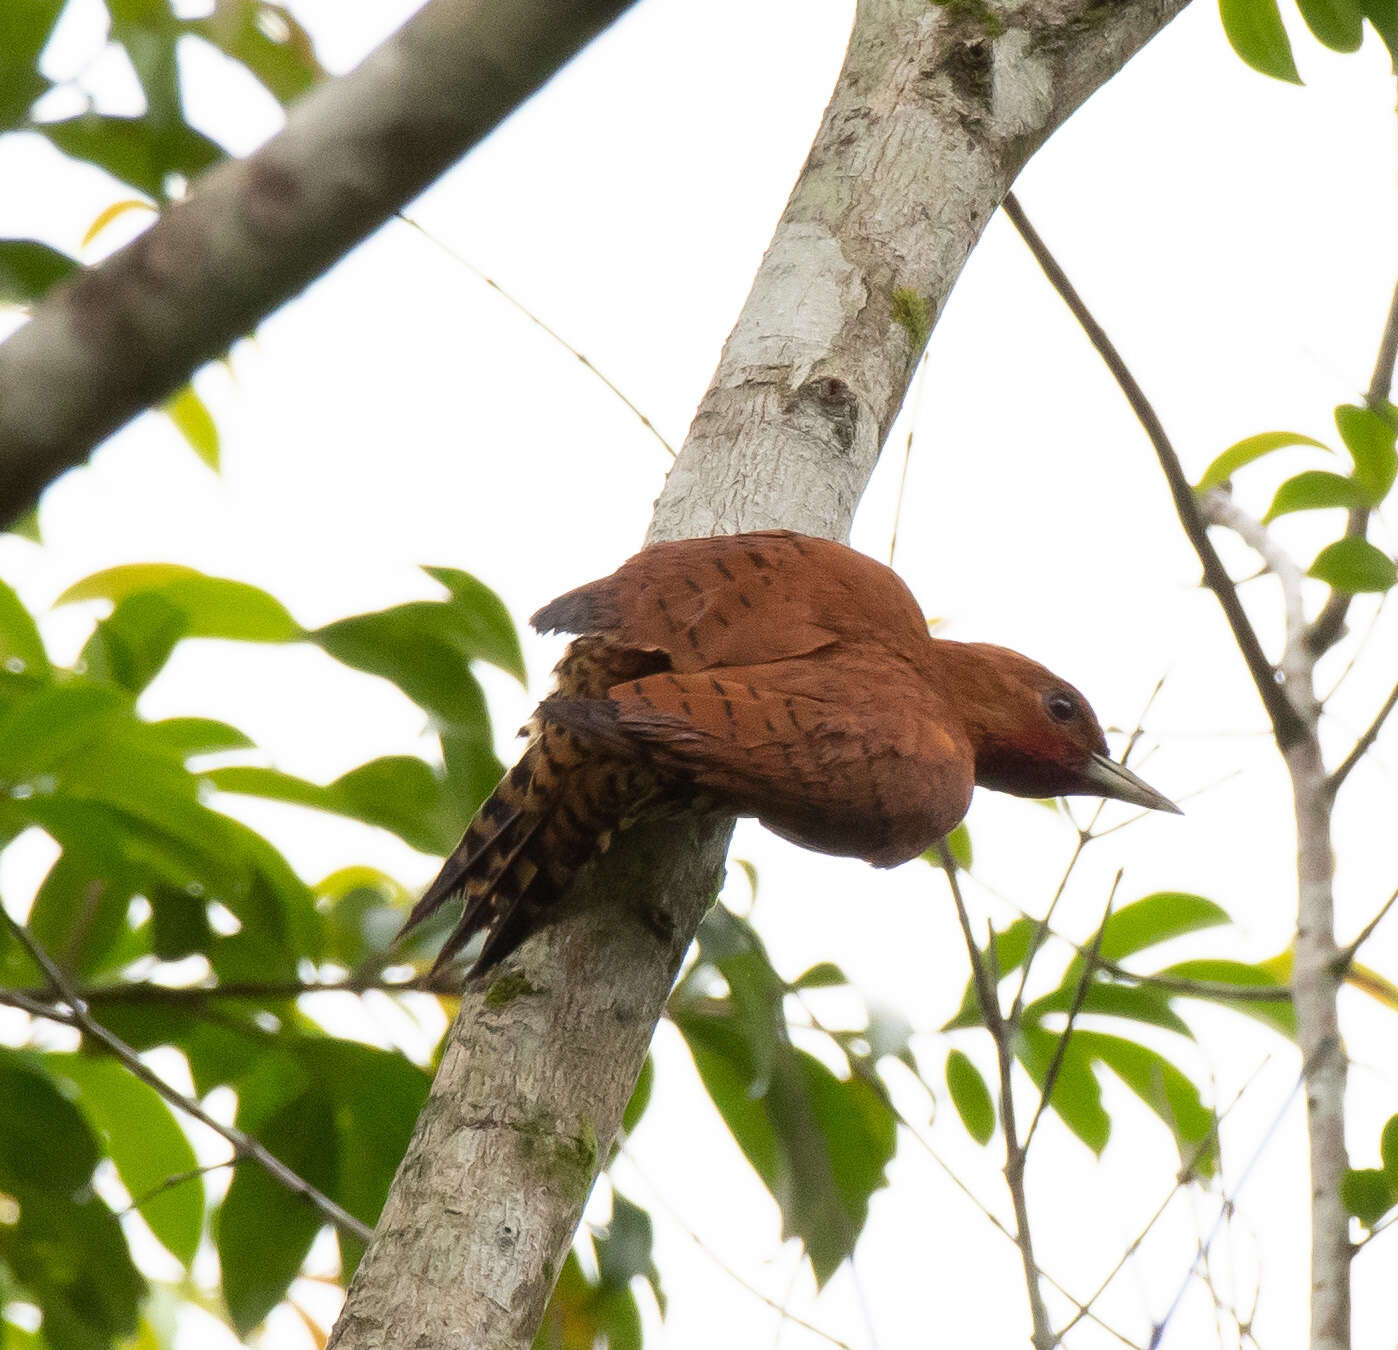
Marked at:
<point>1107,778</point>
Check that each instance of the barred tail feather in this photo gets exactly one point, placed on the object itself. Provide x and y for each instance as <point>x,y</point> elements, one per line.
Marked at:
<point>545,819</point>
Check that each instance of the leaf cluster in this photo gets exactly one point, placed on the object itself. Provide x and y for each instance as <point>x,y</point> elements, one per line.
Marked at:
<point>170,916</point>
<point>1351,564</point>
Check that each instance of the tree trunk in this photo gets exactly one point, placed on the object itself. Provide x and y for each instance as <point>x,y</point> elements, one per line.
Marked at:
<point>937,108</point>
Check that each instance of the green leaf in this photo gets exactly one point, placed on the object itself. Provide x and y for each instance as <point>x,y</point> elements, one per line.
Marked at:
<point>626,1250</point>
<point>1369,437</point>
<point>1157,918</point>
<point>147,1146</point>
<point>43,1136</point>
<point>1383,14</point>
<point>133,149</point>
<point>214,607</point>
<point>971,1097</point>
<point>404,795</point>
<point>25,28</point>
<point>822,975</point>
<point>199,736</point>
<point>582,1315</point>
<point>820,1143</point>
<point>65,1249</point>
<point>1316,490</point>
<point>1255,30</point>
<point>263,1230</point>
<point>484,622</point>
<point>1011,947</point>
<point>195,423</point>
<point>26,526</point>
<point>37,732</point>
<point>1337,23</point>
<point>1163,1087</point>
<point>426,646</point>
<point>131,646</point>
<point>363,910</point>
<point>640,1097</point>
<point>398,793</point>
<point>1077,1096</point>
<point>1278,1014</point>
<point>1367,1194</point>
<point>21,647</point>
<point>29,269</point>
<point>1138,1003</point>
<point>375,1098</point>
<point>958,844</point>
<point>70,1256</point>
<point>472,767</point>
<point>1224,466</point>
<point>80,912</point>
<point>267,40</point>
<point>1354,565</point>
<point>1388,1151</point>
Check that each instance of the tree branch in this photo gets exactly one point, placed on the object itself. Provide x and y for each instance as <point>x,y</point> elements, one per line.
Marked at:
<point>1286,723</point>
<point>244,1145</point>
<point>253,233</point>
<point>1329,625</point>
<point>910,161</point>
<point>1362,745</point>
<point>1002,1033</point>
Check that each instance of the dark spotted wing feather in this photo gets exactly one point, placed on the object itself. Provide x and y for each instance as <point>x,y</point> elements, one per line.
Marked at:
<point>740,600</point>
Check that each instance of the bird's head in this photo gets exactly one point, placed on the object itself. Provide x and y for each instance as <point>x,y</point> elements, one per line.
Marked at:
<point>1034,735</point>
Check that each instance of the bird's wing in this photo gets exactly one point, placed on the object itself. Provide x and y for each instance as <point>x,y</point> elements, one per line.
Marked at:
<point>834,768</point>
<point>739,600</point>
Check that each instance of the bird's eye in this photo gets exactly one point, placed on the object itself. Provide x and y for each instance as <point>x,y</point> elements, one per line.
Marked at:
<point>1061,706</point>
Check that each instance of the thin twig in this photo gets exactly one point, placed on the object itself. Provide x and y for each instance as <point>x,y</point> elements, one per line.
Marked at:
<point>995,1023</point>
<point>244,1145</point>
<point>1182,1177</point>
<point>1086,835</point>
<point>1297,663</point>
<point>1286,722</point>
<point>728,1270</point>
<point>860,1067</point>
<point>1329,625</point>
<point>144,993</point>
<point>1362,745</point>
<point>1214,990</point>
<point>540,324</point>
<point>907,454</point>
<point>1060,1052</point>
<point>174,1180</point>
<point>1225,1208</point>
<point>1347,954</point>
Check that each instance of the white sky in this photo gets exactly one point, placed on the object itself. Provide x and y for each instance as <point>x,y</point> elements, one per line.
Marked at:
<point>1235,236</point>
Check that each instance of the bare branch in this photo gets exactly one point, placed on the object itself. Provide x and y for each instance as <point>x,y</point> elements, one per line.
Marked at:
<point>1001,1033</point>
<point>252,233</point>
<point>1348,953</point>
<point>1286,723</point>
<point>244,1145</point>
<point>1361,746</point>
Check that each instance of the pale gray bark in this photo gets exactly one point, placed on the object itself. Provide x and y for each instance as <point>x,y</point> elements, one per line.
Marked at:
<point>937,108</point>
<point>1315,984</point>
<point>1317,968</point>
<point>126,333</point>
